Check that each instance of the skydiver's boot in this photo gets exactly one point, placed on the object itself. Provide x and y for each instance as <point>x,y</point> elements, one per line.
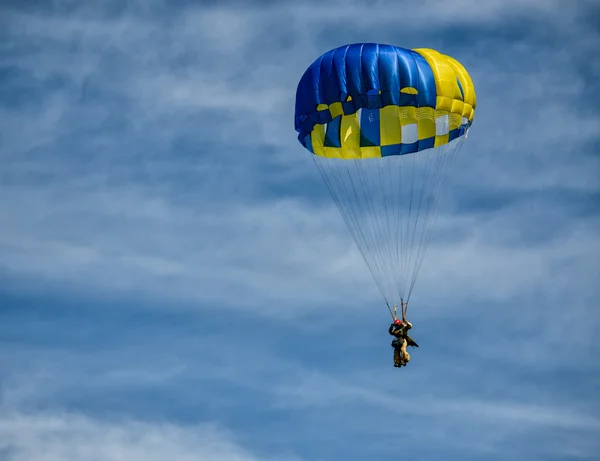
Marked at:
<point>397,361</point>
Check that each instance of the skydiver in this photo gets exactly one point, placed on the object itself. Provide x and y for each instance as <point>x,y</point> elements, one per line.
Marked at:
<point>399,329</point>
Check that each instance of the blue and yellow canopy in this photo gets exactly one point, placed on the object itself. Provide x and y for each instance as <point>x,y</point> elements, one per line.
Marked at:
<point>368,100</point>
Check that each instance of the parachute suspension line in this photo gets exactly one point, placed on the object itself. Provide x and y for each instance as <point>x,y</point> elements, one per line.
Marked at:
<point>349,212</point>
<point>453,153</point>
<point>391,183</point>
<point>411,236</point>
<point>402,210</point>
<point>368,184</point>
<point>390,273</point>
<point>389,221</point>
<point>384,219</point>
<point>429,213</point>
<point>378,240</point>
<point>349,217</point>
<point>384,224</point>
<point>427,176</point>
<point>393,314</point>
<point>444,164</point>
<point>413,245</point>
<point>369,233</point>
<point>437,160</point>
<point>406,243</point>
<point>397,224</point>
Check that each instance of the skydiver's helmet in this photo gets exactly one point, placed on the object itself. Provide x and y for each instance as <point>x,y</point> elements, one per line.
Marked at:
<point>398,322</point>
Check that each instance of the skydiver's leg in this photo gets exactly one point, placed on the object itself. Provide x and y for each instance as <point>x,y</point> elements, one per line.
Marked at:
<point>405,354</point>
<point>397,357</point>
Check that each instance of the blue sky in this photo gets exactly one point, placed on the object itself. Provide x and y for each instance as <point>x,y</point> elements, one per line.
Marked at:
<point>175,282</point>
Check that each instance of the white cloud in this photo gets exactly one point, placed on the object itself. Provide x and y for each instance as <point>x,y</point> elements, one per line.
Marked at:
<point>429,14</point>
<point>316,389</point>
<point>99,199</point>
<point>264,255</point>
<point>470,426</point>
<point>74,437</point>
<point>122,220</point>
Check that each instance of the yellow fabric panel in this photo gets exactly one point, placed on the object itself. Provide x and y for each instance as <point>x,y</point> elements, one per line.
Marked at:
<point>465,81</point>
<point>317,137</point>
<point>391,119</point>
<point>322,107</point>
<point>336,109</point>
<point>455,121</point>
<point>446,71</point>
<point>350,131</point>
<point>348,154</point>
<point>408,115</point>
<point>409,90</point>
<point>350,140</point>
<point>370,152</point>
<point>457,106</point>
<point>332,152</point>
<point>448,88</point>
<point>426,122</point>
<point>445,77</point>
<point>440,140</point>
<point>468,111</point>
<point>443,103</point>
<point>425,113</point>
<point>389,122</point>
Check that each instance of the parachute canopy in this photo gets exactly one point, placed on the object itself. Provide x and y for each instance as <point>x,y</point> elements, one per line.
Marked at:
<point>380,100</point>
<point>361,109</point>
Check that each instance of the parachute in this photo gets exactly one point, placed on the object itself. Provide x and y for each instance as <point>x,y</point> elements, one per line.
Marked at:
<point>384,125</point>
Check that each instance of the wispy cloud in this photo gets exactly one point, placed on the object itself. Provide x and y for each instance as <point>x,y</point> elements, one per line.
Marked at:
<point>148,162</point>
<point>66,437</point>
<point>485,426</point>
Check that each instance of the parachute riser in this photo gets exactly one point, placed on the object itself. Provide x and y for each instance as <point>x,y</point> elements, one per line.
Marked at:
<point>403,309</point>
<point>393,314</point>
